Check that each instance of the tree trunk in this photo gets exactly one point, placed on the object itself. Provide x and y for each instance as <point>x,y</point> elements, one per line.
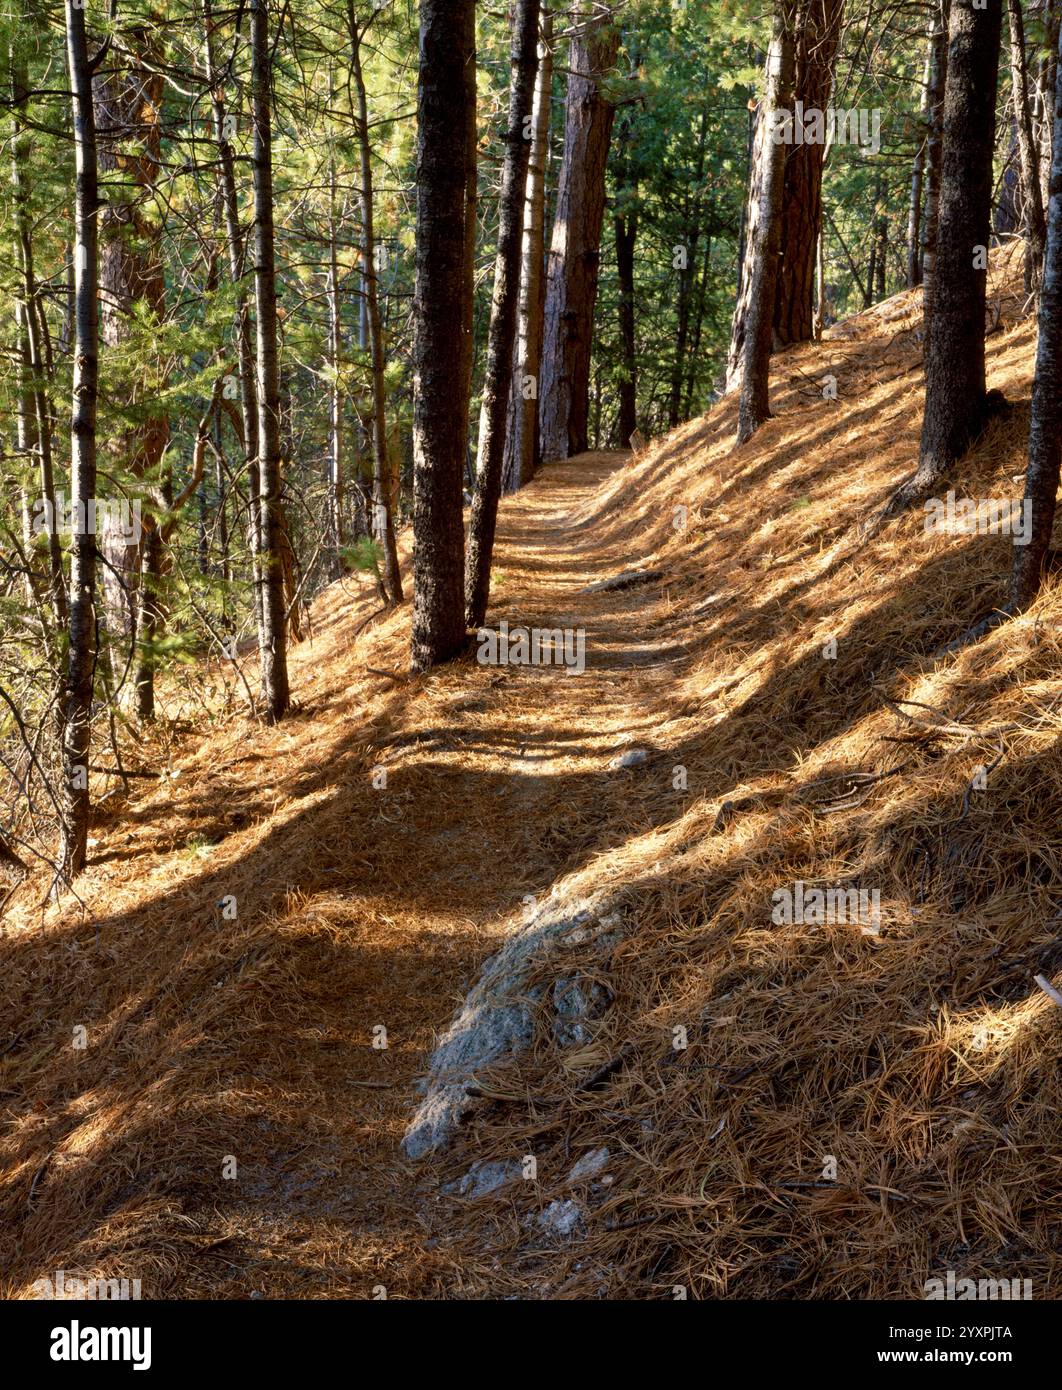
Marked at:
<point>272,628</point>
<point>1045,431</point>
<point>875,238</point>
<point>77,694</point>
<point>502,332</point>
<point>383,490</point>
<point>883,255</point>
<point>1032,203</point>
<point>442,338</point>
<point>1045,83</point>
<point>336,538</point>
<point>224,123</point>
<point>625,234</point>
<point>691,232</point>
<point>575,251</point>
<point>956,406</point>
<point>815,31</point>
<point>934,151</point>
<point>918,169</point>
<point>698,325</point>
<point>521,443</point>
<point>766,233</point>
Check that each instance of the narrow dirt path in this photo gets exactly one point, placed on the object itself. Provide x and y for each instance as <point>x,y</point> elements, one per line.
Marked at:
<point>364,912</point>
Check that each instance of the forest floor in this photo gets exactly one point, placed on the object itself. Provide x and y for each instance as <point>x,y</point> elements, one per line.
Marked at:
<point>228,1128</point>
<point>357,906</point>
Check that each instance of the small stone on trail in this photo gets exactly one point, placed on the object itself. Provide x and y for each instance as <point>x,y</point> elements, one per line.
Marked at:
<point>634,757</point>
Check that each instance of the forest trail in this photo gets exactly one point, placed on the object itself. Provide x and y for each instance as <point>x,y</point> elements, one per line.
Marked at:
<point>789,665</point>
<point>357,907</point>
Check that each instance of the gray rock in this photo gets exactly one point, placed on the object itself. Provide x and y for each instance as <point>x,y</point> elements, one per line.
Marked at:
<point>495,1021</point>
<point>576,1001</point>
<point>561,1218</point>
<point>634,757</point>
<point>589,1165</point>
<point>627,580</point>
<point>482,1178</point>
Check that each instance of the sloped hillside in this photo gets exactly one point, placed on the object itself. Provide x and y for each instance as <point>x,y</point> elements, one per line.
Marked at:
<point>712,1099</point>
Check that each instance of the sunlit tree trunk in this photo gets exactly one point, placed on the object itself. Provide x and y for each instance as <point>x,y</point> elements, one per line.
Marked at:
<point>575,250</point>
<point>521,440</point>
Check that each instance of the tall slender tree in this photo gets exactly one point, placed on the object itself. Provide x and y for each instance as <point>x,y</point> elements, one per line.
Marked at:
<point>272,627</point>
<point>81,633</point>
<point>382,489</point>
<point>502,332</point>
<point>521,438</point>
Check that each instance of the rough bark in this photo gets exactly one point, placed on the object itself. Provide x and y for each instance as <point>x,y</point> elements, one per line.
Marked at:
<point>502,331</point>
<point>766,234</point>
<point>442,338</point>
<point>272,626</point>
<point>575,248</point>
<point>1046,76</point>
<point>1045,431</point>
<point>956,406</point>
<point>81,633</point>
<point>521,443</point>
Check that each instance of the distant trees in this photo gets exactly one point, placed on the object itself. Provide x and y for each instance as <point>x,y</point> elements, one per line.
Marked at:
<point>442,344</point>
